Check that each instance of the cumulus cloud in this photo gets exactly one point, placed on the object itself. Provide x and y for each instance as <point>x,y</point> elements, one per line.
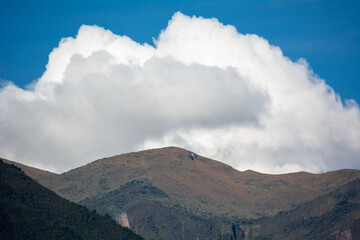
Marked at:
<point>203,86</point>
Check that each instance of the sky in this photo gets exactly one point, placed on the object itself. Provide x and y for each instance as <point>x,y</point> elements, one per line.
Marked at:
<point>271,86</point>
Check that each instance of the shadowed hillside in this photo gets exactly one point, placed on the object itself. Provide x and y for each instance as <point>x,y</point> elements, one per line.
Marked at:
<point>30,211</point>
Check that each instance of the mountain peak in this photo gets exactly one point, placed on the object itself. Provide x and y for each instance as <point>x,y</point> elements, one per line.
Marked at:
<point>157,185</point>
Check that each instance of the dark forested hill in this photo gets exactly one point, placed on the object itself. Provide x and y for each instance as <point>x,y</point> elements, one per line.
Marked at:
<point>30,211</point>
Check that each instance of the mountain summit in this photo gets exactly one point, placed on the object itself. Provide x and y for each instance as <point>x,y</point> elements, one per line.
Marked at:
<point>173,193</point>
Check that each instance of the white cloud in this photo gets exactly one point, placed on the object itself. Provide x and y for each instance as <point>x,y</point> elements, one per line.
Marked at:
<point>204,86</point>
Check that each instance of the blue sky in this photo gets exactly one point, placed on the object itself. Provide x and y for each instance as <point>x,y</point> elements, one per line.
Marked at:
<point>325,33</point>
<point>204,87</point>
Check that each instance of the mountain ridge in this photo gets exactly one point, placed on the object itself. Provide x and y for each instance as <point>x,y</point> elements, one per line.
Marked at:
<point>33,172</point>
<point>202,192</point>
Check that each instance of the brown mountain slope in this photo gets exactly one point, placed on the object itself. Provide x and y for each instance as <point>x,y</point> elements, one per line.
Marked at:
<point>32,172</point>
<point>335,215</point>
<point>151,213</point>
<point>199,184</point>
<point>171,193</point>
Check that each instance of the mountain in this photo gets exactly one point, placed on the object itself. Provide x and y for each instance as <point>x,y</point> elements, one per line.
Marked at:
<point>32,172</point>
<point>172,193</point>
<point>152,213</point>
<point>335,215</point>
<point>30,211</point>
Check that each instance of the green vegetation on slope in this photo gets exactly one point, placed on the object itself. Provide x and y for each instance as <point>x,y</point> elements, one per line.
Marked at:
<point>30,211</point>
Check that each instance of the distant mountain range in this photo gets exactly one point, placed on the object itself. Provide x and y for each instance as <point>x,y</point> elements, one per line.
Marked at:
<point>172,193</point>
